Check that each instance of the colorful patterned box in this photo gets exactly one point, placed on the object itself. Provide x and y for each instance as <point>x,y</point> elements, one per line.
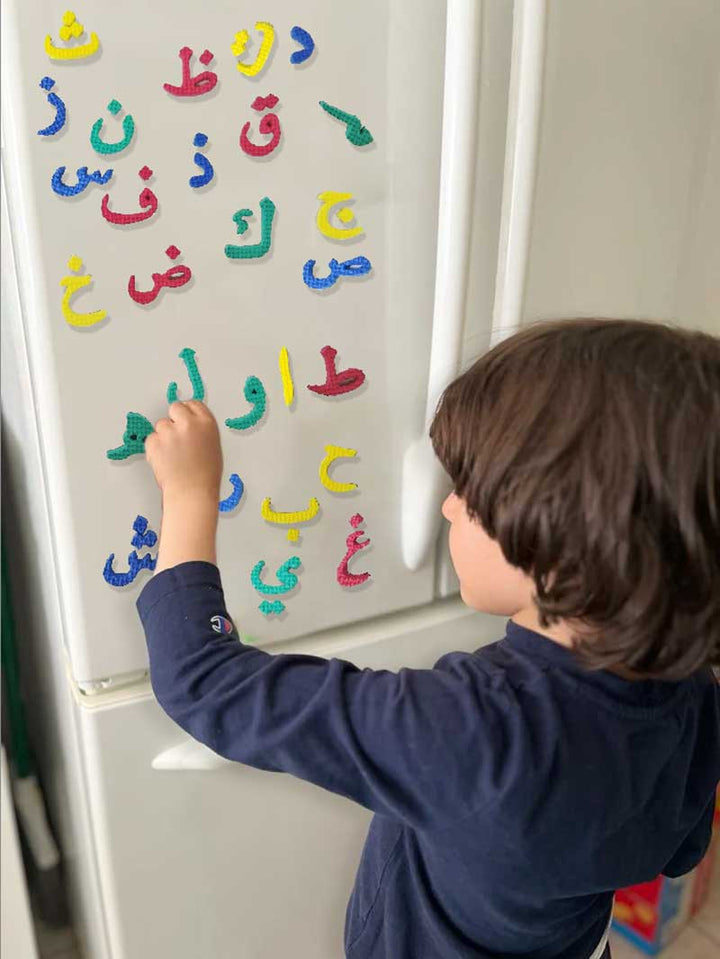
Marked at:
<point>652,913</point>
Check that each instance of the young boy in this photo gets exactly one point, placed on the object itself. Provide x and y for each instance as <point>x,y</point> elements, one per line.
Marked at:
<point>518,786</point>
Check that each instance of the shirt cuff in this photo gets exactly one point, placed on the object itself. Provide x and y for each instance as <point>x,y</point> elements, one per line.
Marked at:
<point>180,577</point>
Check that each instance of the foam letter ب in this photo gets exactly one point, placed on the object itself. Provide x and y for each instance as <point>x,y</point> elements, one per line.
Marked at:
<point>333,453</point>
<point>73,285</point>
<point>241,39</point>
<point>329,199</point>
<point>292,518</point>
<point>71,29</point>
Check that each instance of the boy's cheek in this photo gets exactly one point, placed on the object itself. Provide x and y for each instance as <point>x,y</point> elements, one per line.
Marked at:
<point>488,583</point>
<point>496,598</point>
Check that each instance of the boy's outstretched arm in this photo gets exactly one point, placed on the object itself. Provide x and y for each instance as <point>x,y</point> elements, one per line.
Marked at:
<point>186,457</point>
<point>389,741</point>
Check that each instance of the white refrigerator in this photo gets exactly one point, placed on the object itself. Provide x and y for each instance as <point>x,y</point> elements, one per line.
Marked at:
<point>312,215</point>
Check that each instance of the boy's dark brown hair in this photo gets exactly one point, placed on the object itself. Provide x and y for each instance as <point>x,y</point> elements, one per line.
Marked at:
<point>590,450</point>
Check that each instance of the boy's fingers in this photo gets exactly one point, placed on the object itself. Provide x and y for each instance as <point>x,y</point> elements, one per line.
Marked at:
<point>200,409</point>
<point>179,411</point>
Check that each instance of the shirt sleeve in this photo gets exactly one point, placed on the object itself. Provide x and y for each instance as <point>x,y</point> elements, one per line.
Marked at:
<point>694,847</point>
<point>384,739</point>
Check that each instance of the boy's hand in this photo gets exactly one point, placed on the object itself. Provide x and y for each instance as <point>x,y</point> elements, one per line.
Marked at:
<point>184,452</point>
<point>185,455</point>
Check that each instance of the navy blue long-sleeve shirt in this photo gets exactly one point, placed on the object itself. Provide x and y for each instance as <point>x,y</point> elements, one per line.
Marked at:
<point>514,791</point>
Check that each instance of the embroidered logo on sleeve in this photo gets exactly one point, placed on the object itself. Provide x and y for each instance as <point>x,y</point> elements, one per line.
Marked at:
<point>221,625</point>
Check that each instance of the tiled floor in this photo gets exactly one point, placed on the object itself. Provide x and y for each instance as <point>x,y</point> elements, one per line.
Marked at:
<point>700,940</point>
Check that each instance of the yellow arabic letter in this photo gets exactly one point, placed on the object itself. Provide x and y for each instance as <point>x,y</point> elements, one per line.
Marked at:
<point>241,39</point>
<point>71,29</point>
<point>73,285</point>
<point>333,453</point>
<point>328,199</point>
<point>286,376</point>
<point>299,516</point>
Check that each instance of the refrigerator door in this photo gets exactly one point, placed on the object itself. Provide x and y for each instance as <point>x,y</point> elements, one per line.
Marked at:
<point>202,857</point>
<point>621,215</point>
<point>237,318</point>
<point>627,198</point>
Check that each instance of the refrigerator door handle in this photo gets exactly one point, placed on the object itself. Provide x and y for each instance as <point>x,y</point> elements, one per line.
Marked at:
<point>190,755</point>
<point>423,479</point>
